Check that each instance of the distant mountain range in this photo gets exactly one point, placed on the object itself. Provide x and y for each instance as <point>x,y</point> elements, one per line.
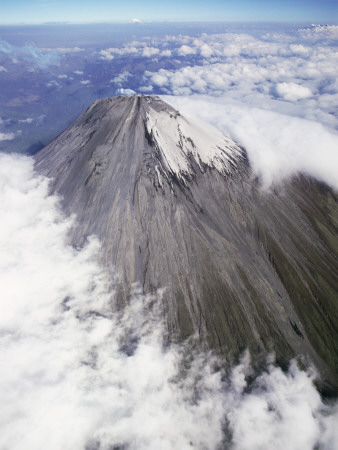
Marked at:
<point>179,212</point>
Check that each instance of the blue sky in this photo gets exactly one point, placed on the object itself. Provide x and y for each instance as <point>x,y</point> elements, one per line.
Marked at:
<point>86,11</point>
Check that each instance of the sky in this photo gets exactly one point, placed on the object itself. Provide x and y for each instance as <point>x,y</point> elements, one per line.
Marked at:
<point>88,11</point>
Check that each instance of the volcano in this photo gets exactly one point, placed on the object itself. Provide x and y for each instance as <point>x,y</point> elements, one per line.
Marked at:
<point>180,214</point>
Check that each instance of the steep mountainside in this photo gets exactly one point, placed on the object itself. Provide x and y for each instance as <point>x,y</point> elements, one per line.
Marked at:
<point>176,206</point>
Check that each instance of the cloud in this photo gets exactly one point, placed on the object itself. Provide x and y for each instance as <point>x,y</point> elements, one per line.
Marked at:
<point>3,69</point>
<point>63,49</point>
<point>317,32</point>
<point>206,51</point>
<point>83,373</point>
<point>166,53</point>
<point>53,83</point>
<point>278,145</point>
<point>146,89</point>
<point>110,53</point>
<point>122,91</point>
<point>160,78</point>
<point>280,411</point>
<point>185,50</point>
<point>28,120</point>
<point>141,49</point>
<point>150,51</point>
<point>69,49</point>
<point>121,78</point>
<point>7,136</point>
<point>292,91</point>
<point>265,71</point>
<point>30,53</point>
<point>76,373</point>
<point>299,49</point>
<point>137,21</point>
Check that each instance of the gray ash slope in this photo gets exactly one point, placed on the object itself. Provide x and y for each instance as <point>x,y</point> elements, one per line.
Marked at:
<point>175,206</point>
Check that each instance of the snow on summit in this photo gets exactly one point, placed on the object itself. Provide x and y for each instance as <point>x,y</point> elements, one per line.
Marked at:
<point>191,137</point>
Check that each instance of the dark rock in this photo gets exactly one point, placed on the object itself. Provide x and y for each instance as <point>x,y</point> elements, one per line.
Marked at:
<point>241,267</point>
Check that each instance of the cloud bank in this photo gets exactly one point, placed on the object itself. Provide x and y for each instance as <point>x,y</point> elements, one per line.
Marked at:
<point>284,72</point>
<point>279,146</point>
<point>77,373</point>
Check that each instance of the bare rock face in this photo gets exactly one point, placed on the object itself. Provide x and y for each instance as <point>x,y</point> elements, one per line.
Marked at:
<point>176,207</point>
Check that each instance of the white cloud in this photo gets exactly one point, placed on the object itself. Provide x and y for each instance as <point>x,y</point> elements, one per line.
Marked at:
<point>243,67</point>
<point>110,53</point>
<point>3,69</point>
<point>7,136</point>
<point>121,78</point>
<point>278,145</point>
<point>160,78</point>
<point>317,32</point>
<point>69,364</point>
<point>78,72</point>
<point>145,89</point>
<point>122,91</point>
<point>85,82</point>
<point>70,49</point>
<point>150,51</point>
<point>107,54</point>
<point>281,411</point>
<point>76,374</point>
<point>206,51</point>
<point>185,50</point>
<point>53,83</point>
<point>28,120</point>
<point>299,49</point>
<point>166,53</point>
<point>64,49</point>
<point>137,21</point>
<point>292,91</point>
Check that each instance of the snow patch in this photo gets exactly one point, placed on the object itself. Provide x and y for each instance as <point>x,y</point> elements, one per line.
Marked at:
<point>179,139</point>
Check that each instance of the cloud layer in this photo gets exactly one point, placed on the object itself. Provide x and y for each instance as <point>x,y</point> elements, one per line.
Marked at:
<point>77,373</point>
<point>290,72</point>
<point>278,145</point>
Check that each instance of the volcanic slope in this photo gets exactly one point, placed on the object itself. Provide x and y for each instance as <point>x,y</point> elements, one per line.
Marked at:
<point>176,207</point>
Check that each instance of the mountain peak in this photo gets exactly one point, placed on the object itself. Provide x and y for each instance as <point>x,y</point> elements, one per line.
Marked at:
<point>174,205</point>
<point>165,143</point>
<point>184,143</point>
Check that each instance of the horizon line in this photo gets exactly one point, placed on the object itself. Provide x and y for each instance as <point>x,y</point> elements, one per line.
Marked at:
<point>149,22</point>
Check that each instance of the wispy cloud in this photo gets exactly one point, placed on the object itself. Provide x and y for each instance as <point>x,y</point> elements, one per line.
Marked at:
<point>30,53</point>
